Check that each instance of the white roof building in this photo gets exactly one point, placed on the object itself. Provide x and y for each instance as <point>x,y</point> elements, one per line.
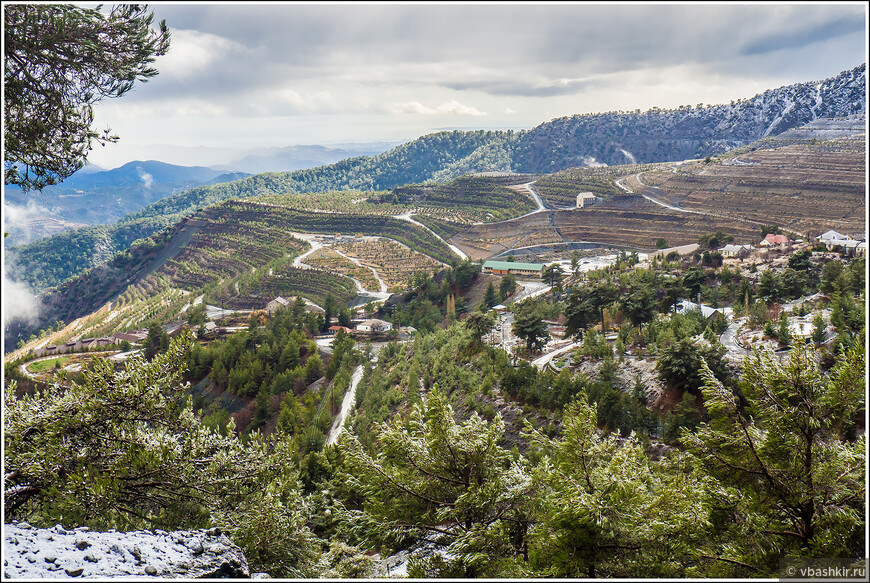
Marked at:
<point>733,250</point>
<point>832,235</point>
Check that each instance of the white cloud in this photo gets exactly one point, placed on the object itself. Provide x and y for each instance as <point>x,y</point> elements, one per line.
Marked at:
<point>192,52</point>
<point>19,304</point>
<point>307,102</point>
<point>451,107</point>
<point>145,177</point>
<point>19,215</point>
<point>199,108</point>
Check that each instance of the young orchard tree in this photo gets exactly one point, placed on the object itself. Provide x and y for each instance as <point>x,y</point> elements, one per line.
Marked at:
<point>791,452</point>
<point>59,60</point>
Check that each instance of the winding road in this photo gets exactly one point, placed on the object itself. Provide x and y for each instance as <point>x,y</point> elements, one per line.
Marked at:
<point>346,404</point>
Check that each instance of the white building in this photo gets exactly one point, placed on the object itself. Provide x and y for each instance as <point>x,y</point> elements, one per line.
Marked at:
<point>733,250</point>
<point>585,198</point>
<point>832,235</point>
<point>374,325</point>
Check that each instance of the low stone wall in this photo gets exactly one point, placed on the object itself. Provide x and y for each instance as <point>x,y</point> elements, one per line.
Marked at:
<point>57,553</point>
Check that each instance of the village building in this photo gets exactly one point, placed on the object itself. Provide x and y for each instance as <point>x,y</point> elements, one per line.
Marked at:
<point>134,336</point>
<point>829,235</point>
<point>333,330</point>
<point>585,198</point>
<point>734,250</point>
<point>682,250</point>
<point>513,268</point>
<point>275,304</point>
<point>709,313</point>
<point>772,240</point>
<point>849,246</point>
<point>374,325</point>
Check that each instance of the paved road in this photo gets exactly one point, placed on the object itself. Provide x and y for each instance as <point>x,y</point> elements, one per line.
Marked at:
<point>346,404</point>
<point>542,361</point>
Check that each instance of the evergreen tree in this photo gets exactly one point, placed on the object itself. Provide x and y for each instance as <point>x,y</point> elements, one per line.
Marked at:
<point>490,298</point>
<point>529,327</point>
<point>785,447</point>
<point>59,60</point>
<point>448,482</point>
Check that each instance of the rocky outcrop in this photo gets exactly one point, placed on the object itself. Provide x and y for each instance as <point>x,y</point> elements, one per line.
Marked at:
<point>57,553</point>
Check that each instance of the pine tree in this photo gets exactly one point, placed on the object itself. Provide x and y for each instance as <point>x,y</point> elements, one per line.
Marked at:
<point>788,452</point>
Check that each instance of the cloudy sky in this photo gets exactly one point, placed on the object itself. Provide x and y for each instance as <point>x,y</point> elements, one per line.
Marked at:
<point>245,76</point>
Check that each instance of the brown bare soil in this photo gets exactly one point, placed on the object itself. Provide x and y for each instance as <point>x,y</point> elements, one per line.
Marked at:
<point>807,188</point>
<point>394,262</point>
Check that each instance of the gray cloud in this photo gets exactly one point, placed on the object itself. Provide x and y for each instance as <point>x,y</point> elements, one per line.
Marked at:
<point>791,39</point>
<point>281,43</point>
<point>523,88</point>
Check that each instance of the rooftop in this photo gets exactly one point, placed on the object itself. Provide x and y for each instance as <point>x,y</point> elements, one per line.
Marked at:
<point>513,265</point>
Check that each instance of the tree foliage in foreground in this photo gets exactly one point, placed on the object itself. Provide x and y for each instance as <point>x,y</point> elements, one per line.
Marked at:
<point>605,509</point>
<point>450,483</point>
<point>792,453</point>
<point>122,450</point>
<point>59,60</point>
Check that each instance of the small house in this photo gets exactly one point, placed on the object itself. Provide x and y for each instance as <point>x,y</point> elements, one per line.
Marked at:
<point>734,250</point>
<point>827,236</point>
<point>278,302</point>
<point>709,313</point>
<point>772,240</point>
<point>585,198</point>
<point>333,330</point>
<point>374,325</point>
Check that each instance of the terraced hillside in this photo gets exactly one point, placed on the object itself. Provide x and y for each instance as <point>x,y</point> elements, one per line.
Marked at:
<point>560,190</point>
<point>807,188</point>
<point>633,221</point>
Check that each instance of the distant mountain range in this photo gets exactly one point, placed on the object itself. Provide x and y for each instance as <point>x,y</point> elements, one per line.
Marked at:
<point>95,196</point>
<point>656,135</point>
<point>301,157</point>
<point>610,138</point>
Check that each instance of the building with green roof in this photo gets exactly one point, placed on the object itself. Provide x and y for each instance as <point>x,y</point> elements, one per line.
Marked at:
<point>513,267</point>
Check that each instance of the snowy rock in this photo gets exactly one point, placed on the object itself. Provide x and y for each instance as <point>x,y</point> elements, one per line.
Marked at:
<point>31,553</point>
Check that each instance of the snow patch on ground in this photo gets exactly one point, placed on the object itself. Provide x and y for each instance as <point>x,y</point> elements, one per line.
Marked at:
<point>58,553</point>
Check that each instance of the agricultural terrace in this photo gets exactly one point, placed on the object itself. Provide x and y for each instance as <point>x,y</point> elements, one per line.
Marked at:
<point>560,190</point>
<point>289,219</point>
<point>807,188</point>
<point>355,202</point>
<point>395,263</point>
<point>253,291</point>
<point>466,199</point>
<point>632,221</point>
<point>484,240</point>
<point>470,198</point>
<point>226,246</point>
<point>327,259</point>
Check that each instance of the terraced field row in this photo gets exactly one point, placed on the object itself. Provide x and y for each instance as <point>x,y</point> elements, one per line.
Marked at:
<point>808,188</point>
<point>329,260</point>
<point>289,219</point>
<point>643,224</point>
<point>257,290</point>
<point>394,263</point>
<point>474,198</point>
<point>561,189</point>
